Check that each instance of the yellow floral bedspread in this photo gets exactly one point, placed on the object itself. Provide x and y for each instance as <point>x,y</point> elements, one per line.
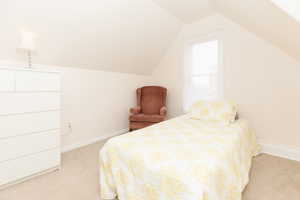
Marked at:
<point>179,159</point>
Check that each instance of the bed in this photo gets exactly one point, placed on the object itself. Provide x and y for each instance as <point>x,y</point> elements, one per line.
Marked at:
<point>179,159</point>
<point>203,155</point>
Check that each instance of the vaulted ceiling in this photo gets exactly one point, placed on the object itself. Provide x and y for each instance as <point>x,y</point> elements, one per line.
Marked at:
<point>261,17</point>
<point>188,10</point>
<point>267,21</point>
<point>117,35</point>
<point>128,35</point>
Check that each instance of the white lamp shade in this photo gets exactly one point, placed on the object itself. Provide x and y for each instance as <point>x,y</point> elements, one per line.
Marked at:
<point>27,41</point>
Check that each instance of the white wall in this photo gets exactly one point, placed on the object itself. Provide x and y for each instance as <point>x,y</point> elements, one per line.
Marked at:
<point>96,103</point>
<point>262,79</point>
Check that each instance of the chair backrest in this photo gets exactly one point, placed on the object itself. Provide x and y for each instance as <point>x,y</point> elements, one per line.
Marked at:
<point>151,99</point>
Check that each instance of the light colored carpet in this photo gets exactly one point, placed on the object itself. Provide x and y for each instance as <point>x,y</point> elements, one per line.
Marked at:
<point>272,178</point>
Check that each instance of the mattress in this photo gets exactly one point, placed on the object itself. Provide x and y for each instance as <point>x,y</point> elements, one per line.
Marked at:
<point>179,159</point>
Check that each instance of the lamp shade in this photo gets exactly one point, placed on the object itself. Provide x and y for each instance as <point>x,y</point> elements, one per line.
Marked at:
<point>27,41</point>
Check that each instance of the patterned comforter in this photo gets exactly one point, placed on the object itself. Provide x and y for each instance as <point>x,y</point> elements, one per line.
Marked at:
<point>179,159</point>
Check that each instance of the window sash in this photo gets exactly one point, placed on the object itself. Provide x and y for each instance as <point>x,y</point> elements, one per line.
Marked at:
<point>215,85</point>
<point>207,89</point>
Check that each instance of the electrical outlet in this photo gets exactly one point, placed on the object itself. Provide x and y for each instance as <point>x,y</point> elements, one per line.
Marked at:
<point>67,129</point>
<point>70,128</point>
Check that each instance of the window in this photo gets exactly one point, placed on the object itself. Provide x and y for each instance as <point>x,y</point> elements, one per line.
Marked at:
<point>292,7</point>
<point>203,72</point>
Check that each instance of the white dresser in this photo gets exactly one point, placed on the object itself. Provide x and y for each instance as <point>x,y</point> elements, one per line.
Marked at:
<point>29,123</point>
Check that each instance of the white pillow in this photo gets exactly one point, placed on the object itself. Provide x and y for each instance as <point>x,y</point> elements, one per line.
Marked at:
<point>217,111</point>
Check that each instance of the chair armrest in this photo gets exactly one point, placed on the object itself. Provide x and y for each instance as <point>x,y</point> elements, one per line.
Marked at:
<point>163,111</point>
<point>135,110</point>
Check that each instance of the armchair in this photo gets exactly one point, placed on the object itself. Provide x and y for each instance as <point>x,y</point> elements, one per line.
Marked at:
<point>151,107</point>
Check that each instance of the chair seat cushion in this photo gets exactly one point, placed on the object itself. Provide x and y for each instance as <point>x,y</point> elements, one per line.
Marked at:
<point>146,118</point>
<point>139,125</point>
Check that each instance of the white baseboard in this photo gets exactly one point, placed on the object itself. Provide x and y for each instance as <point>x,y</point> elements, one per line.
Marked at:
<point>93,140</point>
<point>292,153</point>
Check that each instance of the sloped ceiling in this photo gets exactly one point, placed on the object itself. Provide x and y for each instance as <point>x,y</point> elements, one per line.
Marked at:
<point>117,35</point>
<point>128,35</point>
<point>188,10</point>
<point>261,17</point>
<point>266,20</point>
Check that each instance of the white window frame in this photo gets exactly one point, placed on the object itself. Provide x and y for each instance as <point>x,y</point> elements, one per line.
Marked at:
<point>187,66</point>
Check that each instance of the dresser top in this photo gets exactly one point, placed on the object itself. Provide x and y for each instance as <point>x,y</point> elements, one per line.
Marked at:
<point>27,69</point>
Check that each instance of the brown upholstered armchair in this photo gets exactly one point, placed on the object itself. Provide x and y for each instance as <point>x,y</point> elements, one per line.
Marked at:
<point>151,107</point>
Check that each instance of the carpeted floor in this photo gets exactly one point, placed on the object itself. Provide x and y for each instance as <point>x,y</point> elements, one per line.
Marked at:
<point>272,178</point>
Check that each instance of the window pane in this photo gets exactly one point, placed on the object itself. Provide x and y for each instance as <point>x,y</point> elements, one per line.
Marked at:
<point>201,87</point>
<point>201,82</point>
<point>204,80</point>
<point>205,58</point>
<point>204,87</point>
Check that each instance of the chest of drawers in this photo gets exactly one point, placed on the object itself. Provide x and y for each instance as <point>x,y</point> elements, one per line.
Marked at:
<point>29,123</point>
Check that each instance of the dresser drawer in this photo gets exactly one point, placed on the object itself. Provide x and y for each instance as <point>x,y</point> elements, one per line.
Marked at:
<point>23,145</point>
<point>37,81</point>
<point>7,80</point>
<point>13,125</point>
<point>27,166</point>
<point>16,103</point>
